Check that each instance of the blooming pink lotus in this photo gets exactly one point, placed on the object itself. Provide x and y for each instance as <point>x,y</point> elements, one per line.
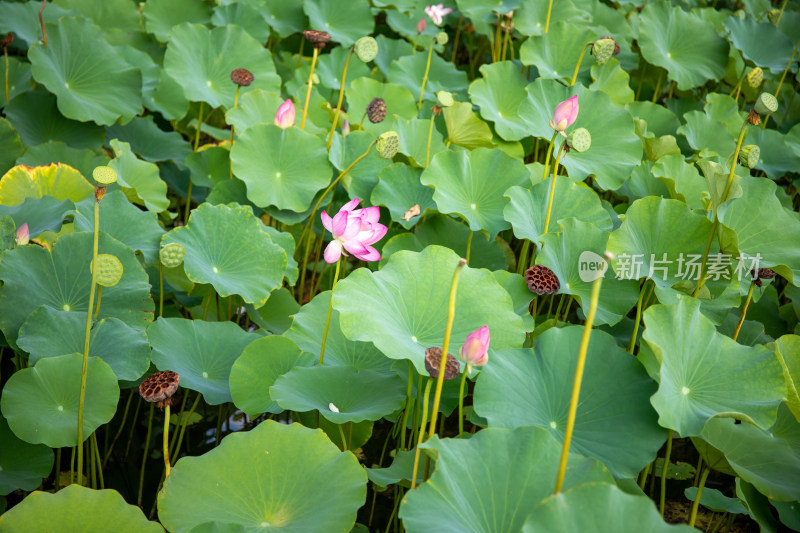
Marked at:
<point>23,235</point>
<point>565,114</point>
<point>437,12</point>
<point>354,230</point>
<point>284,117</point>
<point>475,351</point>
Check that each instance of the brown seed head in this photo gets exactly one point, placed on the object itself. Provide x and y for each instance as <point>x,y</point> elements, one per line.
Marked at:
<point>542,280</point>
<point>8,40</point>
<point>242,77</point>
<point>317,38</point>
<point>160,387</point>
<point>99,192</point>
<point>433,358</point>
<point>437,109</point>
<point>754,118</point>
<point>376,110</point>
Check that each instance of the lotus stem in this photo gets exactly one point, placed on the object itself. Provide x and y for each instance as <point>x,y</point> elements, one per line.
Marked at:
<point>578,64</point>
<point>341,98</point>
<point>523,256</point>
<point>421,438</point>
<point>119,431</point>
<point>330,310</point>
<point>430,136</point>
<point>184,423</point>
<point>144,457</point>
<point>547,19</point>
<point>643,479</point>
<point>469,244</point>
<point>57,477</point>
<point>160,289</point>
<point>632,342</point>
<point>664,469</point>
<point>780,13</point>
<point>696,503</point>
<point>409,405</point>
<point>547,156</point>
<point>780,83</point>
<point>576,386</point>
<point>166,440</point>
<point>658,86</point>
<point>98,461</point>
<point>99,298</point>
<point>310,84</point>
<point>235,103</point>
<point>41,23</point>
<point>455,39</point>
<point>300,53</point>
<point>461,402</point>
<point>737,89</point>
<point>744,311</point>
<point>425,77</point>
<point>196,143</point>
<point>552,189</point>
<point>5,53</point>
<point>498,35</point>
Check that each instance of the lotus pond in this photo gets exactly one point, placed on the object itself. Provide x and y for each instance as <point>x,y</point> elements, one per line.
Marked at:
<point>379,265</point>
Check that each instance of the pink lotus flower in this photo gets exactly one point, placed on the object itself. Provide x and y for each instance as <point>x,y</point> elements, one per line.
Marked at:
<point>354,231</point>
<point>475,351</point>
<point>284,117</point>
<point>437,12</point>
<point>565,114</point>
<point>23,235</point>
<point>421,25</point>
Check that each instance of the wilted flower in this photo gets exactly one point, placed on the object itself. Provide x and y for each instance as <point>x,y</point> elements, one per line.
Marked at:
<point>354,230</point>
<point>437,12</point>
<point>284,117</point>
<point>23,235</point>
<point>475,351</point>
<point>421,25</point>
<point>565,114</point>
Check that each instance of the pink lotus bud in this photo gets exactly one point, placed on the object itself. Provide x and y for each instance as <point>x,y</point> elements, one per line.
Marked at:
<point>23,235</point>
<point>421,25</point>
<point>565,114</point>
<point>475,349</point>
<point>345,128</point>
<point>284,117</point>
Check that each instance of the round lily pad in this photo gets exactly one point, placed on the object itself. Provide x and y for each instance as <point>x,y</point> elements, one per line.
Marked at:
<point>58,180</point>
<point>22,465</point>
<point>345,22</point>
<point>41,402</point>
<point>361,179</point>
<point>399,189</point>
<point>227,247</point>
<point>407,71</point>
<point>500,94</point>
<point>81,159</point>
<point>161,15</point>
<point>556,52</point>
<point>139,179</point>
<point>254,107</point>
<point>289,174</point>
<point>275,476</point>
<point>760,42</point>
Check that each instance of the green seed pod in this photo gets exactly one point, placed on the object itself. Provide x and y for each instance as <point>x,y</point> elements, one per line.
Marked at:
<point>579,140</point>
<point>388,143</point>
<point>109,270</point>
<point>366,49</point>
<point>445,98</point>
<point>172,255</point>
<point>104,175</point>
<point>442,38</point>
<point>773,15</point>
<point>603,49</point>
<point>755,77</point>
<point>766,104</point>
<point>748,155</point>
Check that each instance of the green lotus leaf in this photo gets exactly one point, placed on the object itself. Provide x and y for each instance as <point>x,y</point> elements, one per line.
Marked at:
<point>22,465</point>
<point>139,179</point>
<point>658,239</point>
<point>682,43</point>
<point>660,120</point>
<point>41,214</point>
<point>340,393</point>
<point>399,101</point>
<point>345,22</point>
<point>20,79</point>
<point>412,291</point>
<point>592,505</point>
<point>361,179</point>
<point>500,94</point>
<point>762,43</point>
<point>286,17</point>
<point>527,208</point>
<point>515,285</point>
<point>465,129</point>
<point>756,217</point>
<point>530,18</point>
<point>202,353</point>
<point>771,464</point>
<point>570,254</point>
<point>78,66</point>
<point>699,368</point>
<point>777,157</point>
<point>286,241</point>
<point>792,139</point>
<point>706,134</point>
<point>254,107</point>
<point>276,315</point>
<point>414,140</point>
<point>227,247</point>
<point>556,53</point>
<point>50,333</point>
<point>8,238</point>
<point>107,14</point>
<point>391,49</point>
<point>399,190</point>
<point>682,180</point>
<point>12,143</point>
<point>161,15</point>
<point>210,166</point>
<point>408,71</point>
<point>716,501</point>
<point>150,142</point>
<point>612,80</point>
<point>471,184</point>
<point>245,15</point>
<point>57,180</point>
<point>480,12</point>
<point>400,470</point>
<point>60,278</point>
<point>201,61</point>
<point>23,19</point>
<point>276,475</point>
<point>517,469</point>
<point>262,362</point>
<point>445,231</point>
<point>533,387</point>
<point>81,159</point>
<point>40,402</point>
<point>289,174</point>
<point>339,350</point>
<point>787,349</point>
<point>330,66</point>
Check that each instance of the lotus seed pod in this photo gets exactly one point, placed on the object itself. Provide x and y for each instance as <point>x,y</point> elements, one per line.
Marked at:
<point>753,118</point>
<point>160,387</point>
<point>766,104</point>
<point>99,192</point>
<point>376,110</point>
<point>755,77</point>
<point>109,270</point>
<point>172,255</point>
<point>104,175</point>
<point>748,155</point>
<point>579,140</point>
<point>760,274</point>
<point>242,77</point>
<point>603,49</point>
<point>366,48</point>
<point>442,38</point>
<point>773,15</point>
<point>388,143</point>
<point>445,98</point>
<point>433,361</point>
<point>740,13</point>
<point>317,38</point>
<point>542,280</point>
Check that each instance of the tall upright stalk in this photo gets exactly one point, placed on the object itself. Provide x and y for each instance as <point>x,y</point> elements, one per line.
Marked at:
<point>341,98</point>
<point>330,310</point>
<point>196,143</point>
<point>310,84</point>
<point>425,76</point>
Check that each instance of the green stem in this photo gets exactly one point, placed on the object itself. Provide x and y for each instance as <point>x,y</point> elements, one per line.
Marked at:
<point>310,83</point>
<point>235,103</point>
<point>144,457</point>
<point>547,19</point>
<point>547,156</point>
<point>461,403</point>
<point>523,256</point>
<point>737,89</point>
<point>553,189</point>
<point>196,144</point>
<point>578,65</point>
<point>119,431</point>
<point>184,423</point>
<point>57,477</point>
<point>341,435</point>
<point>658,86</point>
<point>160,289</point>
<point>780,13</point>
<point>506,39</point>
<point>99,298</point>
<point>469,244</point>
<point>780,83</point>
<point>664,469</point>
<point>341,98</point>
<point>455,39</point>
<point>421,439</point>
<point>5,53</point>
<point>425,77</point>
<point>744,311</point>
<point>330,310</point>
<point>696,503</point>
<point>644,473</point>
<point>576,386</point>
<point>98,461</point>
<point>496,44</point>
<point>300,53</point>
<point>632,342</point>
<point>558,309</point>
<point>428,148</point>
<point>409,405</point>
<point>166,440</point>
